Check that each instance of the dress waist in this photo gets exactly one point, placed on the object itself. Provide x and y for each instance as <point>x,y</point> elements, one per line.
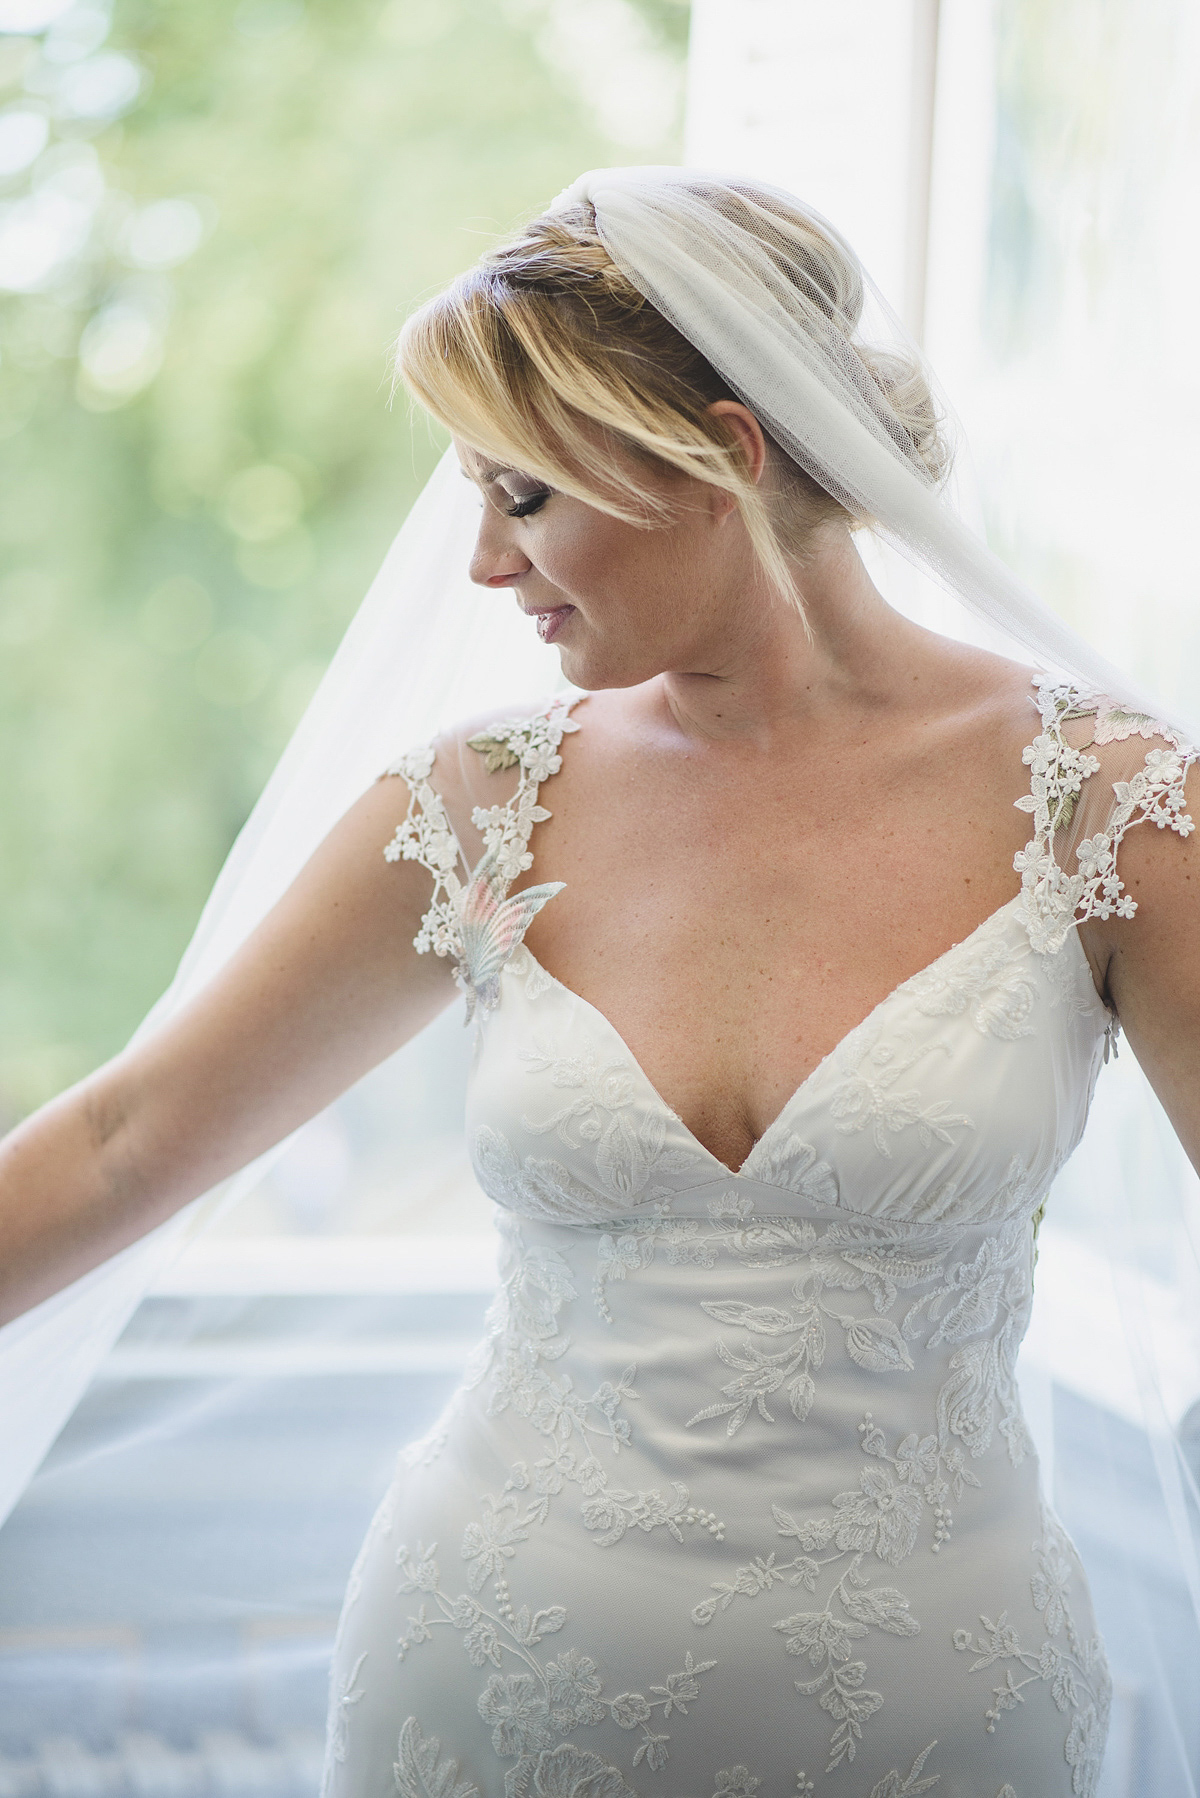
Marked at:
<point>664,1356</point>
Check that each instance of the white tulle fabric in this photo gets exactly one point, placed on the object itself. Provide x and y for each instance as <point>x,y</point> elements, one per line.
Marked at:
<point>426,650</point>
<point>740,1482</point>
<point>717,257</point>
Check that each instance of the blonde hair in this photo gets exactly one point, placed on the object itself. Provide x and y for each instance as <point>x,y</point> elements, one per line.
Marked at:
<point>547,358</point>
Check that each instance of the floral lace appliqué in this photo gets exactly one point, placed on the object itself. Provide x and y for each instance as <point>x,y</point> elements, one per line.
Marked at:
<point>990,981</point>
<point>529,1699</point>
<point>867,1094</point>
<point>1053,899</point>
<point>473,920</point>
<point>570,1772</point>
<point>1071,1665</point>
<point>973,1305</point>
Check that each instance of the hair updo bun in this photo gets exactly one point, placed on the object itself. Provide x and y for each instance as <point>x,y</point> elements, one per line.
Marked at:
<point>546,356</point>
<point>907,394</point>
<point>818,263</point>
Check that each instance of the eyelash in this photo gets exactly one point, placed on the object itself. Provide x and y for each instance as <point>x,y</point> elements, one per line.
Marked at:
<point>524,507</point>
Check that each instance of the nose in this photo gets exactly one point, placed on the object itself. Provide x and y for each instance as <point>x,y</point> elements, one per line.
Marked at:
<point>497,561</point>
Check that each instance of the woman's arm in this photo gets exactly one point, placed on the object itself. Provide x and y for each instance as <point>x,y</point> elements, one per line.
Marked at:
<point>326,987</point>
<point>1152,965</point>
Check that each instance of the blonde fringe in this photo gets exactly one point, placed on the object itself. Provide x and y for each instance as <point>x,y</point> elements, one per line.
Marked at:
<point>546,358</point>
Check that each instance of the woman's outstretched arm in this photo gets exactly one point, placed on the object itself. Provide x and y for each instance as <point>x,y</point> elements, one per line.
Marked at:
<point>326,987</point>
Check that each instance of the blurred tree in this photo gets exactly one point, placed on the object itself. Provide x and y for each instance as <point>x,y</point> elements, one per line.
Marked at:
<point>212,221</point>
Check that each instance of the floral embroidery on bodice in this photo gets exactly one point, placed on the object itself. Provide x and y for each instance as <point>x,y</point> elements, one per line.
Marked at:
<point>786,1393</point>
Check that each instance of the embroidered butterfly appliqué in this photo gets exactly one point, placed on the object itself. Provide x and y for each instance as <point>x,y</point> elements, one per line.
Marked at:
<point>475,922</point>
<point>492,927</point>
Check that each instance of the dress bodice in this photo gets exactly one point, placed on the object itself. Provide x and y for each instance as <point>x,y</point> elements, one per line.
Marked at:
<point>565,1126</point>
<point>800,1373</point>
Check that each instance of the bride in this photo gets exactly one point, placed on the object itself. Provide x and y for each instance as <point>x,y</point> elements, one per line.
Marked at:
<point>794,936</point>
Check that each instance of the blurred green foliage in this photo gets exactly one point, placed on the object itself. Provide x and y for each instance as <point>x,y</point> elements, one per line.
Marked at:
<point>181,550</point>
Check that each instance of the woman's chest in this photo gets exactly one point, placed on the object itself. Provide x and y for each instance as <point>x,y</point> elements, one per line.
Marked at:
<point>969,1079</point>
<point>733,946</point>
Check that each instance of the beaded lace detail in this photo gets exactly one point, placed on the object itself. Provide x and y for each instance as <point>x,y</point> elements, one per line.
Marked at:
<point>1052,900</point>
<point>471,918</point>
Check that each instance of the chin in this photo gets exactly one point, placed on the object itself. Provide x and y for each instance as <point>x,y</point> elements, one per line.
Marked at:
<point>594,674</point>
<point>590,668</point>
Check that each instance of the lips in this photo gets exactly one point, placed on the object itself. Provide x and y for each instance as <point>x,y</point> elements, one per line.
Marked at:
<point>551,620</point>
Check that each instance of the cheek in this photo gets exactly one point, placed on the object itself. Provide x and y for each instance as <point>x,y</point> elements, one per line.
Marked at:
<point>580,551</point>
<point>608,566</point>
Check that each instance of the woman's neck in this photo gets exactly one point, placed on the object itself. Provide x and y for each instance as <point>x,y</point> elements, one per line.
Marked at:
<point>772,675</point>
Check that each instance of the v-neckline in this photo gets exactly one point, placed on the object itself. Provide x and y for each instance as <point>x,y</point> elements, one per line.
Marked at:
<point>745,1171</point>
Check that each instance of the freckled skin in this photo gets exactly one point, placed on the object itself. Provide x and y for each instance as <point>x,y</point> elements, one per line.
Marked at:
<point>763,832</point>
<point>762,829</point>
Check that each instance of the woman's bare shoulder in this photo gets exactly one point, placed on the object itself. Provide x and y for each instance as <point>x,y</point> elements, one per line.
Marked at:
<point>476,763</point>
<point>970,683</point>
<point>967,708</point>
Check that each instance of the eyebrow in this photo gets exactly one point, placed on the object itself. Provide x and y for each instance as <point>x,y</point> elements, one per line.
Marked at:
<point>492,471</point>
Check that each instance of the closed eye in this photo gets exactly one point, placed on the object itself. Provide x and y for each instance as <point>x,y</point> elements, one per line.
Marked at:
<point>533,502</point>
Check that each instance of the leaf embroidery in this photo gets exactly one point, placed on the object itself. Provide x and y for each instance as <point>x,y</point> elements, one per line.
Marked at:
<point>419,1772</point>
<point>496,750</point>
<point>890,1785</point>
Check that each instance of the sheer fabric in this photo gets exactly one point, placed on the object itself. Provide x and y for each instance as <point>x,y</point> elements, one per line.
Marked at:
<point>426,650</point>
<point>733,265</point>
<point>401,664</point>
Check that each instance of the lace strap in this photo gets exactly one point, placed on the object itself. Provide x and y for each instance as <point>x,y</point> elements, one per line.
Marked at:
<point>1052,899</point>
<point>532,745</point>
<point>427,836</point>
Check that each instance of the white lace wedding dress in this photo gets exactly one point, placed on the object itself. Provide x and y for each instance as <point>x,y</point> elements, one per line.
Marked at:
<point>737,1497</point>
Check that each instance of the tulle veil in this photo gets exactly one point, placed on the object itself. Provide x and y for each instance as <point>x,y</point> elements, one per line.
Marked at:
<point>427,648</point>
